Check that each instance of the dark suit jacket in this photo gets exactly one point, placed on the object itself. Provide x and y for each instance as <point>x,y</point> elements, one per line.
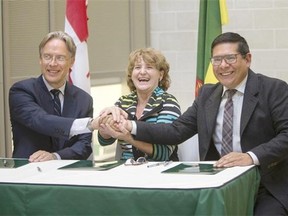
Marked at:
<point>263,129</point>
<point>35,127</point>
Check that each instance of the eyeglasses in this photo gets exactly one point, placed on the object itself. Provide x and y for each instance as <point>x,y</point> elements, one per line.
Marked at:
<point>229,59</point>
<point>58,58</point>
<point>139,161</point>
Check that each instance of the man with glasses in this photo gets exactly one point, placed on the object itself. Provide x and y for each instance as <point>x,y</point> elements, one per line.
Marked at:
<point>241,120</point>
<point>44,110</point>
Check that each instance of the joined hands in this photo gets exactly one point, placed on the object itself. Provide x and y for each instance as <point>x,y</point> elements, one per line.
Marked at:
<point>113,122</point>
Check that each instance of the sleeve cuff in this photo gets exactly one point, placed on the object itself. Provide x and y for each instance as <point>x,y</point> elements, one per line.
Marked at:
<point>79,126</point>
<point>56,156</point>
<point>134,128</point>
<point>254,158</point>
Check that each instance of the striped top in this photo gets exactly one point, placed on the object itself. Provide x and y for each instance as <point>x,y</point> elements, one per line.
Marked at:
<point>161,108</point>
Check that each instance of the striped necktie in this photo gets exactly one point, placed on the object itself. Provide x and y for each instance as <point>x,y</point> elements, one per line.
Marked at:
<point>227,130</point>
<point>56,100</point>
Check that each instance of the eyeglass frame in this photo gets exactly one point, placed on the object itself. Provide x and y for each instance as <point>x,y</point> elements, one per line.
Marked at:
<point>225,59</point>
<point>58,58</point>
<point>132,162</point>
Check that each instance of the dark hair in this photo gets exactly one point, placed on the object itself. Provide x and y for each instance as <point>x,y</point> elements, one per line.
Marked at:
<point>231,37</point>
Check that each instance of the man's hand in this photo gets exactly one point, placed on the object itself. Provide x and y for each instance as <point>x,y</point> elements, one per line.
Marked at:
<point>109,115</point>
<point>116,113</point>
<point>234,159</point>
<point>41,155</point>
<point>125,125</point>
<point>107,120</point>
<point>118,131</point>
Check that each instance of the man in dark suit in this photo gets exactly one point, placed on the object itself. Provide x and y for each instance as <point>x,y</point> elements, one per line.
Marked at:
<point>260,122</point>
<point>38,132</point>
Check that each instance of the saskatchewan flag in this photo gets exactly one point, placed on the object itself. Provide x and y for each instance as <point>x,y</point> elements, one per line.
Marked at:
<point>212,15</point>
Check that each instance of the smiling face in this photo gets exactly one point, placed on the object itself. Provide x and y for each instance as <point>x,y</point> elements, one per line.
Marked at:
<point>145,77</point>
<point>55,62</point>
<point>230,75</point>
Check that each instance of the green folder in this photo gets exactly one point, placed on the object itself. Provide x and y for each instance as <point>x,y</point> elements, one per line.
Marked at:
<point>90,165</point>
<point>194,168</point>
<point>12,162</point>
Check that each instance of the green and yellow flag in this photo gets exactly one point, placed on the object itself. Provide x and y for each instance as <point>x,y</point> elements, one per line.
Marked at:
<point>212,15</point>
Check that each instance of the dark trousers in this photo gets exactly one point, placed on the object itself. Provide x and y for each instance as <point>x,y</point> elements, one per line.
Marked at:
<point>267,204</point>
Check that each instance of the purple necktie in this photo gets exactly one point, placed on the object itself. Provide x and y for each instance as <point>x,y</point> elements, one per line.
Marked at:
<point>227,130</point>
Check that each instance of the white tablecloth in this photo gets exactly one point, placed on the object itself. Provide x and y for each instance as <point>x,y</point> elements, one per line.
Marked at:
<point>122,176</point>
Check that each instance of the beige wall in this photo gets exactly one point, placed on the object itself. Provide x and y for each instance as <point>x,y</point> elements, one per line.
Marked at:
<point>262,22</point>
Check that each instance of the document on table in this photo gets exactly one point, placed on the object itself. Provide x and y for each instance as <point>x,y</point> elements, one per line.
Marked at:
<point>90,165</point>
<point>194,168</point>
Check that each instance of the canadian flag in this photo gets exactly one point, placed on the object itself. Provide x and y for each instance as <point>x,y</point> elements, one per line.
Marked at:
<point>76,26</point>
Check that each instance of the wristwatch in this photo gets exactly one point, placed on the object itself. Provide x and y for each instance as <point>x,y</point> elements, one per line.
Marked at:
<point>89,125</point>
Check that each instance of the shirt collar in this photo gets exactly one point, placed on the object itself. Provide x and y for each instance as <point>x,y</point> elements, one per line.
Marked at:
<point>49,87</point>
<point>240,88</point>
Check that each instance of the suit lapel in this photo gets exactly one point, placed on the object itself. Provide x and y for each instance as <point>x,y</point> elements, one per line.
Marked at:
<point>250,100</point>
<point>68,106</point>
<point>47,105</point>
<point>44,96</point>
<point>211,107</point>
<point>68,109</point>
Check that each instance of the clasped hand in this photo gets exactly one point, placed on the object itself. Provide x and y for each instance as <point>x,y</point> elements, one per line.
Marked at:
<point>112,122</point>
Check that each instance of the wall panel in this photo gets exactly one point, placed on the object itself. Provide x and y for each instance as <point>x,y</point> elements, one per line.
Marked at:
<point>116,27</point>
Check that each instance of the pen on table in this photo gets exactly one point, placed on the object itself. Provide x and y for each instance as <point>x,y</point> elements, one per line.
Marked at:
<point>39,169</point>
<point>155,164</point>
<point>165,163</point>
